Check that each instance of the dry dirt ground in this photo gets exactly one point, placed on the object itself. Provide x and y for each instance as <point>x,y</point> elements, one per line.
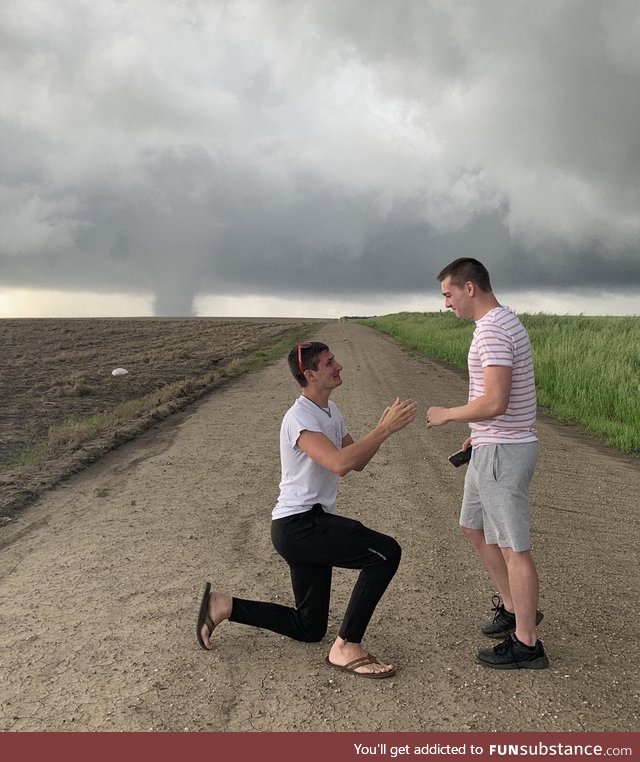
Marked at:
<point>100,579</point>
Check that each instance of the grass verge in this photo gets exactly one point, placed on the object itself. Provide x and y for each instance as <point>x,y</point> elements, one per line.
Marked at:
<point>587,368</point>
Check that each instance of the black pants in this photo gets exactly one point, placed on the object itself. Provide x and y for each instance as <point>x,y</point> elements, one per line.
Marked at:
<point>312,543</point>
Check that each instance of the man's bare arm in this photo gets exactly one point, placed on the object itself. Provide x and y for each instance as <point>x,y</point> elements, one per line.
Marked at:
<point>354,456</point>
<point>494,401</point>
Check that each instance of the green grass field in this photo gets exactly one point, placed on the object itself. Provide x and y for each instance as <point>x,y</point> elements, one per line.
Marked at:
<point>587,368</point>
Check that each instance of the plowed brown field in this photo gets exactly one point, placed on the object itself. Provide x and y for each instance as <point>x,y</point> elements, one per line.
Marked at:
<point>58,371</point>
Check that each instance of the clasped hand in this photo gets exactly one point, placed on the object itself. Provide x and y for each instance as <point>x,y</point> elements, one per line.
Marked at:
<point>437,416</point>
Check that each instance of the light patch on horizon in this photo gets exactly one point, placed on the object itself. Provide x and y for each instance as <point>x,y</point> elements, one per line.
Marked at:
<point>42,303</point>
<point>26,303</point>
<point>565,303</point>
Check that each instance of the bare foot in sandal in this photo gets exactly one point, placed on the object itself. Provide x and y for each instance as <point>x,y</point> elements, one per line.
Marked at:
<point>351,657</point>
<point>214,608</point>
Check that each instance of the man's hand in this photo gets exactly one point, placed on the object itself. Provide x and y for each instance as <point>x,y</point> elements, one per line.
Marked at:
<point>399,414</point>
<point>354,456</point>
<point>437,416</point>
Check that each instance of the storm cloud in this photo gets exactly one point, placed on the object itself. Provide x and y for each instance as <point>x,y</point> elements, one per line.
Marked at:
<point>191,148</point>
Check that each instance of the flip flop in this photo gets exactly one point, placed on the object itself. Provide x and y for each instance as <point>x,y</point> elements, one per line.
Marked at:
<point>203,617</point>
<point>353,665</point>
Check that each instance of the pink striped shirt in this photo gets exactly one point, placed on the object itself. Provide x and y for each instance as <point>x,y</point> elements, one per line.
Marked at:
<point>501,339</point>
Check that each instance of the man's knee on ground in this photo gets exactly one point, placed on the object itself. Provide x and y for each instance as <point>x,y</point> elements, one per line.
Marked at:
<point>313,633</point>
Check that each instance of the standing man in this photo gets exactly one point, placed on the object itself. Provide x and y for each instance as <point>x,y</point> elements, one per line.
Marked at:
<point>501,413</point>
<point>316,449</point>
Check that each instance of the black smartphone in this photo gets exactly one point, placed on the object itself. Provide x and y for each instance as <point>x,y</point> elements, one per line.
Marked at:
<point>461,457</point>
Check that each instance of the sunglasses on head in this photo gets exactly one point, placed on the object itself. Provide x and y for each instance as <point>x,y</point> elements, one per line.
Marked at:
<point>304,345</point>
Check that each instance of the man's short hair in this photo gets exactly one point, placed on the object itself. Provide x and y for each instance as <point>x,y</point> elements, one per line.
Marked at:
<point>306,355</point>
<point>466,269</point>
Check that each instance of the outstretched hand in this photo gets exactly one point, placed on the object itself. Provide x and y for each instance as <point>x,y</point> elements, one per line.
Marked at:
<point>398,414</point>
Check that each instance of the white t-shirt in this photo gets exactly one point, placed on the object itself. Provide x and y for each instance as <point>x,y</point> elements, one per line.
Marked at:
<point>305,482</point>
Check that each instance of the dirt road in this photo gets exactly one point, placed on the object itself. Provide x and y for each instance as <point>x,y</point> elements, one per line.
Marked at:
<point>99,580</point>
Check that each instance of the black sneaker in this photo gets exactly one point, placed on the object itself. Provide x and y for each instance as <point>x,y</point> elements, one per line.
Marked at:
<point>503,622</point>
<point>512,654</point>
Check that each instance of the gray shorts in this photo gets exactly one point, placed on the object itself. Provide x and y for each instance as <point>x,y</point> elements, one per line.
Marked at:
<point>496,493</point>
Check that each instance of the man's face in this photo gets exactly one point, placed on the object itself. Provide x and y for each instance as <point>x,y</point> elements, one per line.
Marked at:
<point>328,370</point>
<point>457,298</point>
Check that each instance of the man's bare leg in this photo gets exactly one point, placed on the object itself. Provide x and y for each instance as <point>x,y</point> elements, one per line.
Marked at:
<point>493,561</point>
<point>523,581</point>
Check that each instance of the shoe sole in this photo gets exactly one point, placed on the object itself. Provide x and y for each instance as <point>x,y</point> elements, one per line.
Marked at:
<point>505,633</point>
<point>202,614</point>
<point>542,662</point>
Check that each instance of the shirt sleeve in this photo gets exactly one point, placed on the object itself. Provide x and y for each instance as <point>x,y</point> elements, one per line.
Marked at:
<point>295,423</point>
<point>494,346</point>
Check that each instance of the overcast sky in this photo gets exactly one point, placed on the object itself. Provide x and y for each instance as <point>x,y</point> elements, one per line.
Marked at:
<point>319,157</point>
